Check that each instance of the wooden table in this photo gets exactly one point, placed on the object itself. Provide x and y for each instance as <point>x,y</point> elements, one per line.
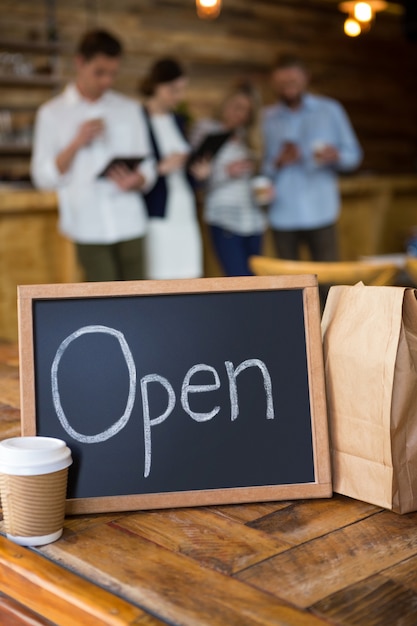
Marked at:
<point>304,563</point>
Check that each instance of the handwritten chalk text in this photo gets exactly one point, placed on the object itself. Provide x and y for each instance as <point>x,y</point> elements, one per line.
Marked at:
<point>187,389</point>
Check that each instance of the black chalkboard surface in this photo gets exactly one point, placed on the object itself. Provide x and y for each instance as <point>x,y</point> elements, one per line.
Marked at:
<point>178,393</point>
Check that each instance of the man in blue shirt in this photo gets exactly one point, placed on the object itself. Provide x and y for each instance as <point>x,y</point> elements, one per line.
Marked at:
<point>307,140</point>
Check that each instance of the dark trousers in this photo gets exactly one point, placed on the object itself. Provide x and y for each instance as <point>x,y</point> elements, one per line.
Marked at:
<point>116,261</point>
<point>322,243</point>
<point>233,251</point>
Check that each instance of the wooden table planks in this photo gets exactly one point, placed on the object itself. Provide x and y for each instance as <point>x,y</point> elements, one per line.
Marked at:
<point>301,563</point>
<point>14,614</point>
<point>60,595</point>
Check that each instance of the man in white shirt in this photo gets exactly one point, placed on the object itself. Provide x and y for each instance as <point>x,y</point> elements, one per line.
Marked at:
<point>77,134</point>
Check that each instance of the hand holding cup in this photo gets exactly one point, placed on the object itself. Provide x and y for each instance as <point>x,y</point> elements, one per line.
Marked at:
<point>89,131</point>
<point>324,153</point>
<point>263,190</point>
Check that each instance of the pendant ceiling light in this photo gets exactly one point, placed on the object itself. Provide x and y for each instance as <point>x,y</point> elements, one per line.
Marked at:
<point>360,15</point>
<point>208,9</point>
<point>351,27</point>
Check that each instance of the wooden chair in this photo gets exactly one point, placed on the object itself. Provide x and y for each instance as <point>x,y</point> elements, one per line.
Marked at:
<point>410,268</point>
<point>329,273</point>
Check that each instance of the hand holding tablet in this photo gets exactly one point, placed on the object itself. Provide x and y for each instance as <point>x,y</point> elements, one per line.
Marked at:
<point>131,163</point>
<point>209,147</point>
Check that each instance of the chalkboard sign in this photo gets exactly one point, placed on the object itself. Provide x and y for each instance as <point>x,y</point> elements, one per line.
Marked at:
<point>178,393</point>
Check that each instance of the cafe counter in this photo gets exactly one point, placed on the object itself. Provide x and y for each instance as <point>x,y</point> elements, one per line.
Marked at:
<point>378,214</point>
<point>31,250</point>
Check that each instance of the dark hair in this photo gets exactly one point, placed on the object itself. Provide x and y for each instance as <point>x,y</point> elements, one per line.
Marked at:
<point>285,61</point>
<point>99,42</point>
<point>163,71</point>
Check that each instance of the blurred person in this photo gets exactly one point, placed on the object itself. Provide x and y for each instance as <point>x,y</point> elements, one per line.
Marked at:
<point>307,139</point>
<point>236,221</point>
<point>173,244</point>
<point>77,134</point>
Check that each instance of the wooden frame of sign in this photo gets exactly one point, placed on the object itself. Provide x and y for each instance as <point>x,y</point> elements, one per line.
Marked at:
<point>247,330</point>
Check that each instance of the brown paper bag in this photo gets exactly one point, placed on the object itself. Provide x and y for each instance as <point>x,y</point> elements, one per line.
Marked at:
<point>370,353</point>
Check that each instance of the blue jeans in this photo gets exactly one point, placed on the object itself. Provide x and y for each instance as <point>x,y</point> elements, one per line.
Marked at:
<point>233,251</point>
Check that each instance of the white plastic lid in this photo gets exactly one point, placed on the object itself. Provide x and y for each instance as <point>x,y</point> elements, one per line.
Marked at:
<point>27,456</point>
<point>261,181</point>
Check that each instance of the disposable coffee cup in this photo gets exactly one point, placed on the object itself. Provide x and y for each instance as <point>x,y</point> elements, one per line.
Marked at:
<point>318,147</point>
<point>262,190</point>
<point>33,487</point>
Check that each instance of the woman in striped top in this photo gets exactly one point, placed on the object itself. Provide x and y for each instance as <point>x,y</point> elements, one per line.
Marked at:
<point>236,222</point>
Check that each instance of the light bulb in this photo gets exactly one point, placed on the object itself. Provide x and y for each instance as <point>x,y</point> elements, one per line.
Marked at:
<point>208,9</point>
<point>352,28</point>
<point>363,12</point>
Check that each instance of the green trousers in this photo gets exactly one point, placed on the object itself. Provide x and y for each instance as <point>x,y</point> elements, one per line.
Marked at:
<point>116,261</point>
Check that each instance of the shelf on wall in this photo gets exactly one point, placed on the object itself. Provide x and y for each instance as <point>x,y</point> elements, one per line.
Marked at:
<point>17,108</point>
<point>34,80</point>
<point>14,149</point>
<point>21,45</point>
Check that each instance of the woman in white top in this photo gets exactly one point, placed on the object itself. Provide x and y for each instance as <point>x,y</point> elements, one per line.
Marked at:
<point>173,247</point>
<point>236,222</point>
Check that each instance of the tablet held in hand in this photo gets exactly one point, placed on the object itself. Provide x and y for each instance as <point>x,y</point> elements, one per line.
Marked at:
<point>131,163</point>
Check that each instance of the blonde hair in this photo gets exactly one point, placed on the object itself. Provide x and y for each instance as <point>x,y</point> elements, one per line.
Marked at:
<point>241,89</point>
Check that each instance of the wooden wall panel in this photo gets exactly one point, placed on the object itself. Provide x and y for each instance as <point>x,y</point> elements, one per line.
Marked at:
<point>373,76</point>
